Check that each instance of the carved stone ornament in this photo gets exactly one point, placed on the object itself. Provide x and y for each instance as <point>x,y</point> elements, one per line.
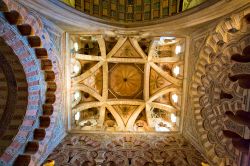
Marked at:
<point>125,149</point>
<point>219,86</point>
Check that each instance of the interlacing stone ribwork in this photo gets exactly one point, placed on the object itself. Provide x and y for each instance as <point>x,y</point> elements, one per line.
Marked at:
<point>136,86</point>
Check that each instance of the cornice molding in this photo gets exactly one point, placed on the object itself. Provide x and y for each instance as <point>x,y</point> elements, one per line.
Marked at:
<point>72,20</point>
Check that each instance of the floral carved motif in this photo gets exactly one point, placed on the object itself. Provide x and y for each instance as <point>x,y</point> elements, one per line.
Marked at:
<point>126,149</point>
<point>218,87</point>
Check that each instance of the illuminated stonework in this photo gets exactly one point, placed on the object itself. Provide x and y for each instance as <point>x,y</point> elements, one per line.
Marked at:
<point>126,83</point>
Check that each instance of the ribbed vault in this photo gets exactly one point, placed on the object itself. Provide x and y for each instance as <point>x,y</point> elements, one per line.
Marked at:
<point>121,82</point>
<point>136,85</point>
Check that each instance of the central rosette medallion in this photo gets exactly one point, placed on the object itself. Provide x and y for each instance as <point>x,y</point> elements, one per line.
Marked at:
<point>126,80</point>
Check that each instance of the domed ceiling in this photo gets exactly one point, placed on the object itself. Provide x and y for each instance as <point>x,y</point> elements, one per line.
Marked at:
<point>126,83</point>
<point>132,10</point>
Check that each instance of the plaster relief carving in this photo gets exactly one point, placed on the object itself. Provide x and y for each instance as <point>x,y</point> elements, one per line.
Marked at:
<point>128,149</point>
<point>219,86</point>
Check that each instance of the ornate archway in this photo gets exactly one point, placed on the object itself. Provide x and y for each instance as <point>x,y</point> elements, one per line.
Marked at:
<point>14,95</point>
<point>214,90</point>
<point>24,33</point>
